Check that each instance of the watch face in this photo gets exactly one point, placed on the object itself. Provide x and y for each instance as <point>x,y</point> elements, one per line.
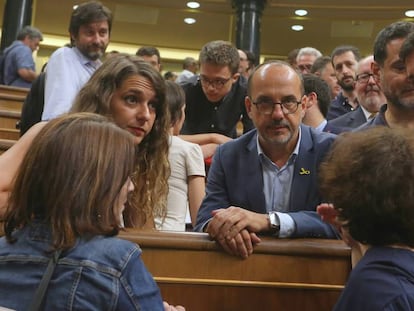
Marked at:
<point>274,221</point>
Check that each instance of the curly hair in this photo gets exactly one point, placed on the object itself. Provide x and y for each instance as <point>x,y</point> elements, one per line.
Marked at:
<point>369,177</point>
<point>152,166</point>
<point>221,53</point>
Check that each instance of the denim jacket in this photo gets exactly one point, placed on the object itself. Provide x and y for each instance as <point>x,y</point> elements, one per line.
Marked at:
<point>102,273</point>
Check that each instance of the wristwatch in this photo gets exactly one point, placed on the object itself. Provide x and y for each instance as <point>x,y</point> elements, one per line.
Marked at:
<point>274,222</point>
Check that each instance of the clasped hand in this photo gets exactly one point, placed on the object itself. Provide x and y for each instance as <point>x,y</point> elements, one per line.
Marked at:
<point>235,229</point>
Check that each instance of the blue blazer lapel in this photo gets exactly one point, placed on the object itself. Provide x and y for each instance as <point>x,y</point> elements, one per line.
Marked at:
<point>254,178</point>
<point>304,174</point>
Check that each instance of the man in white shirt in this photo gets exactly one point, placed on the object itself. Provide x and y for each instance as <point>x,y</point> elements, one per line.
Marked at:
<point>190,67</point>
<point>70,67</point>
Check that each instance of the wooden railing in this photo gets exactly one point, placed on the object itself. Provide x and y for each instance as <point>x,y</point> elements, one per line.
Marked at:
<point>11,102</point>
<point>12,90</point>
<point>282,274</point>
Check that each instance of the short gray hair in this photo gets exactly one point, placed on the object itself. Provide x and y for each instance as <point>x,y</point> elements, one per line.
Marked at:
<point>309,51</point>
<point>31,32</point>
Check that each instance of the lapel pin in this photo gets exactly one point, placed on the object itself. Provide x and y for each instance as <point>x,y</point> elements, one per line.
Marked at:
<point>304,172</point>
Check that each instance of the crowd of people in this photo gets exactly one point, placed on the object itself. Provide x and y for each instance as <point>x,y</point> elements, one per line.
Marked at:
<point>324,151</point>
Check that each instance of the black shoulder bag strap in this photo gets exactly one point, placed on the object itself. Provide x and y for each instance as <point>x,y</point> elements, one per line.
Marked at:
<point>41,289</point>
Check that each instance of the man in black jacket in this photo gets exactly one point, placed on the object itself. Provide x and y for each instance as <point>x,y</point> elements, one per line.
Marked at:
<point>215,98</point>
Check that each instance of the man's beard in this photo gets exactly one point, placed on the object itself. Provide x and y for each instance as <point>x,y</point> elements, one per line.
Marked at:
<point>91,52</point>
<point>346,87</point>
<point>95,55</point>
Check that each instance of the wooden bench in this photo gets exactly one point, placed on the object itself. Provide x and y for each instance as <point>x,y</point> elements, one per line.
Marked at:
<point>9,118</point>
<point>11,103</point>
<point>190,269</point>
<point>13,90</point>
<point>7,133</point>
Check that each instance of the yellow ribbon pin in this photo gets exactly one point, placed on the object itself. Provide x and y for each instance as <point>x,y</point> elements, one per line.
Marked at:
<point>304,172</point>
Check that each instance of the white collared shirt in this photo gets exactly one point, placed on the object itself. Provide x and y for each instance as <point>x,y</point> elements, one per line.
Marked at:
<point>66,73</point>
<point>277,183</point>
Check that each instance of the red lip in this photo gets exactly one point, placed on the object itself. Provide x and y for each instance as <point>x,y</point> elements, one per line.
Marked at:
<point>137,131</point>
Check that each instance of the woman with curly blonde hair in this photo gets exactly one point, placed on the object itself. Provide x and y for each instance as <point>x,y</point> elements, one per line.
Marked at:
<point>132,94</point>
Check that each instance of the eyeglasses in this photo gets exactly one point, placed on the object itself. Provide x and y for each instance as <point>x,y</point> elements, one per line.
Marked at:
<point>266,106</point>
<point>216,83</point>
<point>364,77</point>
<point>305,67</point>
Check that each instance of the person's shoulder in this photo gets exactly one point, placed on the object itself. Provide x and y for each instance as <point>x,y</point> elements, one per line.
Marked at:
<point>62,52</point>
<point>318,139</point>
<point>366,125</point>
<point>240,142</point>
<point>111,251</point>
<point>19,46</point>
<point>310,132</point>
<point>340,120</point>
<point>190,151</point>
<point>189,83</point>
<point>181,144</point>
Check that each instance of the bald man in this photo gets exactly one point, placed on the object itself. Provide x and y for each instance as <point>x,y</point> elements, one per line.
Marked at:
<point>266,180</point>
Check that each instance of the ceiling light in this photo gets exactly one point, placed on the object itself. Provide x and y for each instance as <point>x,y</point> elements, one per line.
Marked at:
<point>297,27</point>
<point>301,12</point>
<point>409,13</point>
<point>193,5</point>
<point>189,20</point>
<point>75,6</point>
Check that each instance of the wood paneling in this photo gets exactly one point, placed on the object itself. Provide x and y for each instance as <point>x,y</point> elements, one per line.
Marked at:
<point>300,274</point>
<point>11,103</point>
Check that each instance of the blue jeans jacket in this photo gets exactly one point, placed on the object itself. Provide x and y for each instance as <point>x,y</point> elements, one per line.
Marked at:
<point>103,273</point>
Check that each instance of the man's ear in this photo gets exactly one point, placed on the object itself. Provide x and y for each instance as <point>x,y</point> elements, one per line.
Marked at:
<point>235,77</point>
<point>311,99</point>
<point>248,103</point>
<point>376,71</point>
<point>72,38</point>
<point>303,105</point>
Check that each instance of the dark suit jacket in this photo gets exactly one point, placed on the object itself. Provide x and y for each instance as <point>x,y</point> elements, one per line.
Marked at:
<point>348,121</point>
<point>235,178</point>
<point>338,107</point>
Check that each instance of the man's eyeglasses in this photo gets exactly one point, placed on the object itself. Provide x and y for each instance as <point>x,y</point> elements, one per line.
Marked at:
<point>305,67</point>
<point>216,83</point>
<point>266,106</point>
<point>364,77</point>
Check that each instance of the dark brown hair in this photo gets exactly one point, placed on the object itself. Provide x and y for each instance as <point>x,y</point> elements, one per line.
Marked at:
<point>86,13</point>
<point>369,177</point>
<point>175,100</point>
<point>71,179</point>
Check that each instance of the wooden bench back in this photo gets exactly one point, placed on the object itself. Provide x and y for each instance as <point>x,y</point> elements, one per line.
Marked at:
<point>300,274</point>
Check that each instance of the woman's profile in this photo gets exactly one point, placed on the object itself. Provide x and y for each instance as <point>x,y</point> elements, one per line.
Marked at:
<point>69,195</point>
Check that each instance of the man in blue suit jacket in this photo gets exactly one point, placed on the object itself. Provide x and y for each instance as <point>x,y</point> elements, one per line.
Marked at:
<point>348,121</point>
<point>369,95</point>
<point>271,186</point>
